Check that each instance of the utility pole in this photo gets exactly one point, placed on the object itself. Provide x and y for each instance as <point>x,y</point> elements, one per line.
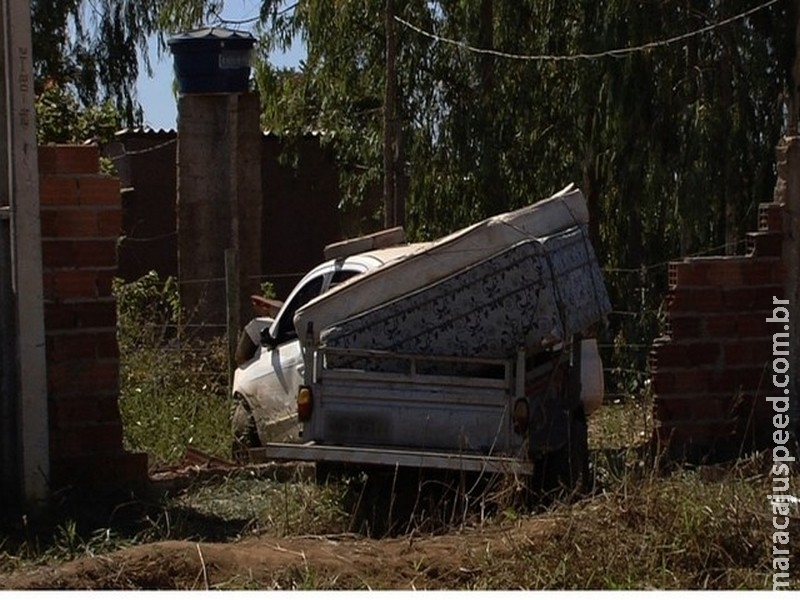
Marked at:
<point>19,203</point>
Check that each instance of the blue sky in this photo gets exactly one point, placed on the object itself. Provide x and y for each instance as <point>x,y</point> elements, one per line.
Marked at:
<point>155,93</point>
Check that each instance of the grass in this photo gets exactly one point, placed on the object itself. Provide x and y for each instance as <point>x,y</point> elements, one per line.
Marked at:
<point>173,388</point>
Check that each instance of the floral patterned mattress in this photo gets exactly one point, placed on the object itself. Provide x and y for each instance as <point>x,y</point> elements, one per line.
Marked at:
<point>434,262</point>
<point>550,287</point>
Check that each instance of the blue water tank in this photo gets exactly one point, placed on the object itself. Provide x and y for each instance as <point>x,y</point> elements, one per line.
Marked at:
<point>212,60</point>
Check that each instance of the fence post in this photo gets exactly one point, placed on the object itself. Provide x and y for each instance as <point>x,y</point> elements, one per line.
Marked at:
<point>20,181</point>
<point>232,308</point>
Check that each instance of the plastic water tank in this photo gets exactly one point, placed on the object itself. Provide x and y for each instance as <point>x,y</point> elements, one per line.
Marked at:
<point>212,60</point>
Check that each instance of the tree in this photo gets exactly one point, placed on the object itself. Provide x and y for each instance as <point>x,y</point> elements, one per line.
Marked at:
<point>61,119</point>
<point>93,48</point>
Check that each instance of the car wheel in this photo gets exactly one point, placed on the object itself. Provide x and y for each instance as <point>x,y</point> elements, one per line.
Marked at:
<point>564,472</point>
<point>245,434</point>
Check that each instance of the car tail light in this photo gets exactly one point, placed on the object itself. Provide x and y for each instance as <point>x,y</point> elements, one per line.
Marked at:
<point>305,402</point>
<point>521,416</point>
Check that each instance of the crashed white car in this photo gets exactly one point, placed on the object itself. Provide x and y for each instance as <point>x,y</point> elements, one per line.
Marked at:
<point>271,369</point>
<point>265,386</point>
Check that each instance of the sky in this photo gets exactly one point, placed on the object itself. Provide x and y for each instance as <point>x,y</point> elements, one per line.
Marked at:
<point>155,93</point>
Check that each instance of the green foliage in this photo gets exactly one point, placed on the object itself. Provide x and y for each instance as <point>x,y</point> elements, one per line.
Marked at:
<point>94,47</point>
<point>173,387</point>
<point>268,290</point>
<point>61,119</point>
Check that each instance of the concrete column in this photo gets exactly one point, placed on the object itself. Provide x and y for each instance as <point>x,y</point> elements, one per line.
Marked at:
<point>219,203</point>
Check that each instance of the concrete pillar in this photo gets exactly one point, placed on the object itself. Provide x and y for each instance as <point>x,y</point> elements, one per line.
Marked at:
<point>219,204</point>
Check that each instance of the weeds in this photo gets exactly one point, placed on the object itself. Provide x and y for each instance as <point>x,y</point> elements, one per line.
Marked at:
<point>173,385</point>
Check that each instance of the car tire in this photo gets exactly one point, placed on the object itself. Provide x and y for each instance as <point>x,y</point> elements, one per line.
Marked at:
<point>564,473</point>
<point>245,433</point>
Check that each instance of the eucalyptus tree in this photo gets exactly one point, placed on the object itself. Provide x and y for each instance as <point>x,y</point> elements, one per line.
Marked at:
<point>93,49</point>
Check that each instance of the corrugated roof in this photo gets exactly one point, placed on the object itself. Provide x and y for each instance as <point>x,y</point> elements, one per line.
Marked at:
<point>162,133</point>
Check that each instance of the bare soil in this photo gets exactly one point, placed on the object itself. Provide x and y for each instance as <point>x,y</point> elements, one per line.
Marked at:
<point>449,561</point>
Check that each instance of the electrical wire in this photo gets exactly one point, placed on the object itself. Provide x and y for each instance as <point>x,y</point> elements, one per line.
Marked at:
<point>616,53</point>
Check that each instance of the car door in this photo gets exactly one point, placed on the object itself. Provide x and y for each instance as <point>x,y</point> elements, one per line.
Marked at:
<point>270,382</point>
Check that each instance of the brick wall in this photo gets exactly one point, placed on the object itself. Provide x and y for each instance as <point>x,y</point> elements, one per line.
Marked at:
<point>81,221</point>
<point>712,369</point>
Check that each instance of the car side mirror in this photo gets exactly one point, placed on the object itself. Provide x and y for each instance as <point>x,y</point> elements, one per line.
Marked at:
<point>267,339</point>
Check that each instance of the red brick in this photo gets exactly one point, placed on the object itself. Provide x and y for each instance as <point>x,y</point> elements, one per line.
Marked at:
<point>670,355</point>
<point>694,381</point>
<point>692,408</point>
<point>74,284</point>
<point>752,325</point>
<point>110,223</point>
<point>725,272</point>
<point>95,253</point>
<point>101,375</point>
<point>761,350</point>
<point>706,299</point>
<point>721,325</point>
<point>89,313</point>
<point>765,243</point>
<point>663,382</point>
<point>65,347</point>
<point>737,353</point>
<point>57,254</point>
<point>770,217</point>
<point>48,221</point>
<point>68,159</point>
<point>99,190</point>
<point>686,327</point>
<point>58,316</point>
<point>741,298</point>
<point>81,410</point>
<point>99,314</point>
<point>82,378</point>
<point>71,223</point>
<point>88,439</point>
<point>734,380</point>
<point>761,271</point>
<point>690,273</point>
<point>105,281</point>
<point>55,190</point>
<point>100,472</point>
<point>703,353</point>
<point>107,345</point>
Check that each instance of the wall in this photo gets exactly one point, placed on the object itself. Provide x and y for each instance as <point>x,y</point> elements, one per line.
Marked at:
<point>712,369</point>
<point>145,164</point>
<point>81,221</point>
<point>300,206</point>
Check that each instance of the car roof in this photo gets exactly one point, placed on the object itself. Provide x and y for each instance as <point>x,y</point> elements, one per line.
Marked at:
<point>384,255</point>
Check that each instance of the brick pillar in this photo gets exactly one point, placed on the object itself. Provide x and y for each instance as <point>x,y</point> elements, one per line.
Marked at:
<point>81,220</point>
<point>712,369</point>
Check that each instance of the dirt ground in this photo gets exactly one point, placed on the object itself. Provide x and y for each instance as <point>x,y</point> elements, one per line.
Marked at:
<point>313,562</point>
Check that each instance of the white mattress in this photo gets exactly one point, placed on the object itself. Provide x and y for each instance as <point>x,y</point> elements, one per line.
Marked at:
<point>442,258</point>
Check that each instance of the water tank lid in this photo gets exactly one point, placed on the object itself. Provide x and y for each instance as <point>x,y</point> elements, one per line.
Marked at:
<point>212,34</point>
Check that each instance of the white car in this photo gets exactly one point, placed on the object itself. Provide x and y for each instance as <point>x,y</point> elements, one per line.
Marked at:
<point>265,386</point>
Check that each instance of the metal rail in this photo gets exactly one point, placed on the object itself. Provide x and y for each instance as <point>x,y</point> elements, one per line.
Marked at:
<point>393,457</point>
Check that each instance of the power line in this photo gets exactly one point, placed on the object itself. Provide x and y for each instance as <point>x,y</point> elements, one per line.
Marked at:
<point>617,53</point>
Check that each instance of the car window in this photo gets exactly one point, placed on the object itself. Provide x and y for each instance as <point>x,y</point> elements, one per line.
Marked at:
<point>342,275</point>
<point>285,329</point>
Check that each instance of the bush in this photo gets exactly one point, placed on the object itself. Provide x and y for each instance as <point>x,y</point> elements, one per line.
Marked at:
<point>173,386</point>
